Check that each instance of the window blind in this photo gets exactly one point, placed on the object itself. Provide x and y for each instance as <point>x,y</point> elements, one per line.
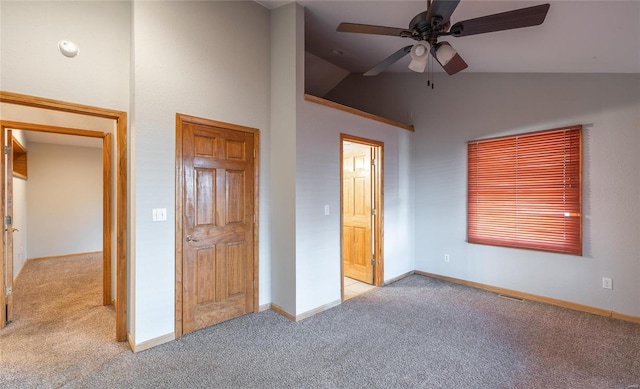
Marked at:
<point>525,191</point>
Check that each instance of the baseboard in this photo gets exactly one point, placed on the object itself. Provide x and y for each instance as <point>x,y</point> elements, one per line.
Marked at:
<point>64,256</point>
<point>264,307</point>
<point>398,278</point>
<point>19,271</point>
<point>304,315</point>
<point>150,343</point>
<point>282,311</point>
<point>625,317</point>
<point>131,341</point>
<point>319,309</point>
<point>534,297</point>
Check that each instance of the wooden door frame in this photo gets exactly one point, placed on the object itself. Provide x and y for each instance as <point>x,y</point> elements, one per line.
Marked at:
<point>377,204</point>
<point>106,188</point>
<point>181,119</point>
<point>121,176</point>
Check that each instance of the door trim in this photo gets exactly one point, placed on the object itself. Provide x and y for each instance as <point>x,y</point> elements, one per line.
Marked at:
<point>106,189</point>
<point>378,204</point>
<point>179,212</point>
<point>121,177</point>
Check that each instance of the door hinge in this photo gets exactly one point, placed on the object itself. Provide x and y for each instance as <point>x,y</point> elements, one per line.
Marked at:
<point>8,220</point>
<point>373,261</point>
<point>8,291</point>
<point>254,218</point>
<point>7,150</point>
<point>254,153</point>
<point>374,161</point>
<point>373,212</point>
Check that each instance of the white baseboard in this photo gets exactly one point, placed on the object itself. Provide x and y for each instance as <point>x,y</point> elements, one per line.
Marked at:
<point>150,343</point>
<point>314,311</point>
<point>398,278</point>
<point>307,314</point>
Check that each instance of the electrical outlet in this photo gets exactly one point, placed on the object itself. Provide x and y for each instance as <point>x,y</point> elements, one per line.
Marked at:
<point>446,257</point>
<point>607,283</point>
<point>327,210</point>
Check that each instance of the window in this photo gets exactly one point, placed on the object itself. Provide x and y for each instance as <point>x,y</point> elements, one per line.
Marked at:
<point>525,191</point>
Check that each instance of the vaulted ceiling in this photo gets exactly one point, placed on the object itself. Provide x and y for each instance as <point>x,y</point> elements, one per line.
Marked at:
<point>576,37</point>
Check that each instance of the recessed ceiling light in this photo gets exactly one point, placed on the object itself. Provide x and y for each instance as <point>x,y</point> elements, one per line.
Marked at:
<point>336,52</point>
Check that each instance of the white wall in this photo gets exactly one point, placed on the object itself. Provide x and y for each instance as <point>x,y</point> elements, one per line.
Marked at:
<point>195,58</point>
<point>318,183</point>
<point>286,93</point>
<point>471,106</point>
<point>31,64</point>
<point>64,200</point>
<point>20,253</point>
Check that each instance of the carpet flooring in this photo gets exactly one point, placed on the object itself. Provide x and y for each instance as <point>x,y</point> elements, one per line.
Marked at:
<point>60,330</point>
<point>416,333</point>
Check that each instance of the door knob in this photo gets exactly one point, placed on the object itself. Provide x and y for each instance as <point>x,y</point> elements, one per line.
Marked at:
<point>15,229</point>
<point>191,239</point>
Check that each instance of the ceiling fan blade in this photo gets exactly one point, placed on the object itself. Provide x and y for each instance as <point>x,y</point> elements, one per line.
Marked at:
<point>371,29</point>
<point>442,8</point>
<point>524,17</point>
<point>389,61</point>
<point>454,65</point>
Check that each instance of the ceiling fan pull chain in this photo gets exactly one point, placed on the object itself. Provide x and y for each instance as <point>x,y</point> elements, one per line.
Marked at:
<point>431,76</point>
<point>429,72</point>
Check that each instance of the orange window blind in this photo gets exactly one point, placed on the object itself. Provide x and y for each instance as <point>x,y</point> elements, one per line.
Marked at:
<point>525,191</point>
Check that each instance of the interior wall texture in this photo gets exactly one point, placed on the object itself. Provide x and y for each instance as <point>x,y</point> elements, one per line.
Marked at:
<point>31,64</point>
<point>64,200</point>
<point>195,58</point>
<point>318,240</point>
<point>285,96</point>
<point>473,106</point>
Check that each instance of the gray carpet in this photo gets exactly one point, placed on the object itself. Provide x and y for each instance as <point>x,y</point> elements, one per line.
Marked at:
<point>416,333</point>
<point>61,330</point>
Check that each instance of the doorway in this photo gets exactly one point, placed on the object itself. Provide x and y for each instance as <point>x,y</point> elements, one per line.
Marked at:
<point>119,178</point>
<point>361,184</point>
<point>17,154</point>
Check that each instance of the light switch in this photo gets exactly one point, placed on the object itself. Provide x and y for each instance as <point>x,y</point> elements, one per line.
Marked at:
<point>326,210</point>
<point>159,214</point>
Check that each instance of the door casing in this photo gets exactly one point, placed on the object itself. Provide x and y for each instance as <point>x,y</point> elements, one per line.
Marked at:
<point>106,191</point>
<point>378,204</point>
<point>179,212</point>
<point>120,119</point>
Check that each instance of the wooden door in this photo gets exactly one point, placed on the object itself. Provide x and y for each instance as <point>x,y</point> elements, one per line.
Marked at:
<point>218,225</point>
<point>7,237</point>
<point>357,214</point>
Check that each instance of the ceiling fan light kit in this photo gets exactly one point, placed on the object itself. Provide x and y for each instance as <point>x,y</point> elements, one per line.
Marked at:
<point>428,26</point>
<point>419,56</point>
<point>445,53</point>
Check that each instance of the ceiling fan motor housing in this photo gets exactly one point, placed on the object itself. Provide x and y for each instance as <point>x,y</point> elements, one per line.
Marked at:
<point>427,30</point>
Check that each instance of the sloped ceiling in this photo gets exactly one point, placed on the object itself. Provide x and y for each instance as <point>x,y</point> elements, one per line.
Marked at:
<point>576,37</point>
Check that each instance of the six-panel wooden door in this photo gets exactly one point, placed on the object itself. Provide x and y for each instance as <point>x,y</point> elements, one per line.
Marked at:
<point>218,225</point>
<point>357,215</point>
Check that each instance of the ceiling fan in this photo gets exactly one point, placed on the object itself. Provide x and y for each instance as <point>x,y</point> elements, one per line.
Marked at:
<point>426,27</point>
